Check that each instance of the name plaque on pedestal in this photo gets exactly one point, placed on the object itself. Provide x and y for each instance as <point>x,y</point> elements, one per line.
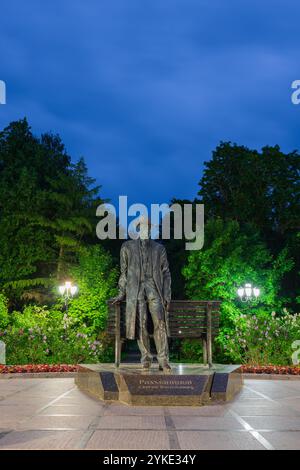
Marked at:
<point>165,385</point>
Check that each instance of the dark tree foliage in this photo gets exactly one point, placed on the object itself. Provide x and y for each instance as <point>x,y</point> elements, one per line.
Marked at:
<point>177,255</point>
<point>47,210</point>
<point>262,188</point>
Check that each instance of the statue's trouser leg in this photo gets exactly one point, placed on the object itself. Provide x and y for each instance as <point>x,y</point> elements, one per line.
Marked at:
<point>143,338</point>
<point>160,333</point>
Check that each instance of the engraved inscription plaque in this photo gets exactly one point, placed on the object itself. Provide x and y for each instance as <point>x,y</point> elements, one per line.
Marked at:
<point>165,385</point>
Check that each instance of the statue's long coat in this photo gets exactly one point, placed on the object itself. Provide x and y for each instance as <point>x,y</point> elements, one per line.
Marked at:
<point>130,278</point>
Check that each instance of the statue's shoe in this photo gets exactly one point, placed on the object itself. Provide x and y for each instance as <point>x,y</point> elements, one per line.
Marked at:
<point>165,367</point>
<point>146,365</point>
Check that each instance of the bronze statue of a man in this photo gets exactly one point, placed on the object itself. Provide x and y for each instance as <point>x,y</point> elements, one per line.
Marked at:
<point>145,282</point>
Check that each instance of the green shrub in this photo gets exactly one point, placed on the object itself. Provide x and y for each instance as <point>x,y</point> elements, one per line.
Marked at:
<point>191,350</point>
<point>43,334</point>
<point>96,278</point>
<point>39,335</point>
<point>4,319</point>
<point>233,255</point>
<point>261,338</point>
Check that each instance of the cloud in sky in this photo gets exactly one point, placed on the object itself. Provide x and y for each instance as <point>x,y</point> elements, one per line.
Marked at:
<point>146,89</point>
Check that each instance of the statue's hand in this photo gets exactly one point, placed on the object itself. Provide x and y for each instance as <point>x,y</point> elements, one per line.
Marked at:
<point>167,306</point>
<point>118,299</point>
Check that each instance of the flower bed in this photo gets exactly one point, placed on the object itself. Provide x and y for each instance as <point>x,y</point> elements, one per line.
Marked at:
<point>37,368</point>
<point>282,370</point>
<point>44,368</point>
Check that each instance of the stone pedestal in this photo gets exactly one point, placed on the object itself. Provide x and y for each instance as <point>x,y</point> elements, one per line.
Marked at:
<point>187,384</point>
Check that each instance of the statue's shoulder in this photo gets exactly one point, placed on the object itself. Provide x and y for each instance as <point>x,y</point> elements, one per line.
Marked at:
<point>157,246</point>
<point>128,244</point>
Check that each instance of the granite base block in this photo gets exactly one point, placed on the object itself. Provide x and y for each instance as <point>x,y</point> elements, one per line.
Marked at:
<point>187,384</point>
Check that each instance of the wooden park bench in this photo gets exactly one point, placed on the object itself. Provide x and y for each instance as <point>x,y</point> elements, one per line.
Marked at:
<point>187,319</point>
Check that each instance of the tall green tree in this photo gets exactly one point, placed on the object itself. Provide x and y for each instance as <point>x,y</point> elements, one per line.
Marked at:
<point>260,188</point>
<point>47,210</point>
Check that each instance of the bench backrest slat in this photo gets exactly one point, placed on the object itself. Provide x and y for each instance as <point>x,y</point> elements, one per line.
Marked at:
<point>187,318</point>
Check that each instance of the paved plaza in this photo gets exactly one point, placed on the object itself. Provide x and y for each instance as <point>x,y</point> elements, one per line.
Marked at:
<point>53,414</point>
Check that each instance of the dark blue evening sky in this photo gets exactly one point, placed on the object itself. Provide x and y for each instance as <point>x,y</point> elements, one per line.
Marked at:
<point>145,89</point>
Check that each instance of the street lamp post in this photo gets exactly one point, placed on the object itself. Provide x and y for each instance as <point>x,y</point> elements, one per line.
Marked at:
<point>67,291</point>
<point>248,293</point>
